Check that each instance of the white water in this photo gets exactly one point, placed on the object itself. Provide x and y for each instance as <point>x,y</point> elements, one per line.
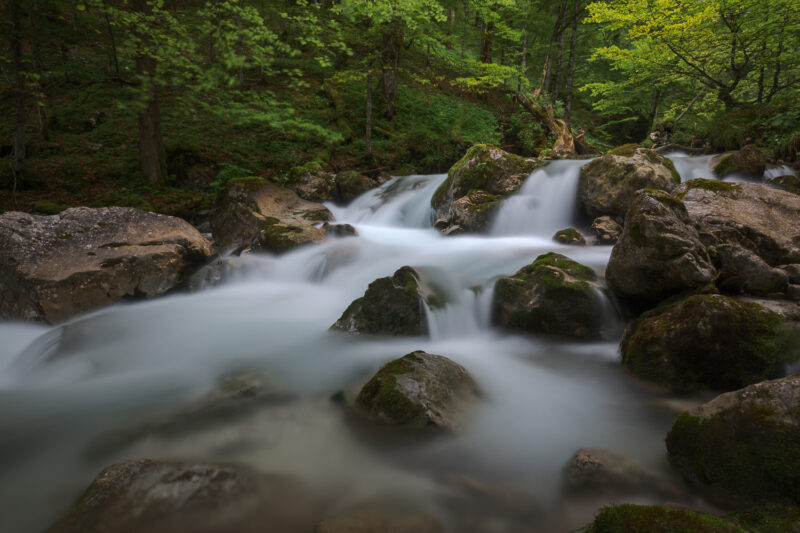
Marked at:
<point>64,389</point>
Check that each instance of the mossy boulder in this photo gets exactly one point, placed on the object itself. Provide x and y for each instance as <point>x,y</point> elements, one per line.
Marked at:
<point>256,214</point>
<point>420,391</point>
<point>606,229</point>
<point>607,184</point>
<point>630,518</point>
<point>748,161</point>
<point>53,268</point>
<point>659,252</point>
<point>787,183</point>
<point>709,340</point>
<point>569,236</point>
<point>471,194</point>
<point>350,185</point>
<point>390,306</point>
<point>553,295</point>
<point>314,186</point>
<point>161,496</point>
<point>743,447</point>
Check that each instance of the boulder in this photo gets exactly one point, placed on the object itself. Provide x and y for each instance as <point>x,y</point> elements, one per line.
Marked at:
<point>55,267</point>
<point>146,495</point>
<point>339,230</point>
<point>607,184</point>
<point>606,229</point>
<point>629,517</point>
<point>659,252</point>
<point>743,447</point>
<point>748,161</point>
<point>597,469</point>
<point>254,213</point>
<point>316,186</point>
<point>553,295</point>
<point>350,185</point>
<point>420,391</point>
<point>390,306</point>
<point>709,340</point>
<point>569,236</point>
<point>787,183</point>
<point>475,185</point>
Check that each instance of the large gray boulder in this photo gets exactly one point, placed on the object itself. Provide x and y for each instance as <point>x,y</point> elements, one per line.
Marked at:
<point>743,447</point>
<point>55,267</point>
<point>709,340</point>
<point>553,295</point>
<point>468,200</point>
<point>607,184</point>
<point>392,305</point>
<point>254,213</point>
<point>419,391</point>
<point>161,497</point>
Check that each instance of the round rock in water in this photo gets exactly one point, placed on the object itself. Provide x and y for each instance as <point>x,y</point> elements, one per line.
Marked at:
<point>419,390</point>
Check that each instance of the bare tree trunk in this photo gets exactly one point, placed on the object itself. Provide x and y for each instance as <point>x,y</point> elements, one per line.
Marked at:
<point>18,165</point>
<point>488,42</point>
<point>152,156</point>
<point>573,49</point>
<point>41,108</point>
<point>466,25</point>
<point>368,113</point>
<point>544,83</point>
<point>654,109</point>
<point>559,61</point>
<point>113,46</point>
<point>390,58</point>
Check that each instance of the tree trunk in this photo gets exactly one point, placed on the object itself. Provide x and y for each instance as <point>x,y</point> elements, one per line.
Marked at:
<point>390,58</point>
<point>653,110</point>
<point>559,61</point>
<point>41,108</point>
<point>368,113</point>
<point>573,49</point>
<point>18,165</point>
<point>544,83</point>
<point>113,46</point>
<point>488,42</point>
<point>152,156</point>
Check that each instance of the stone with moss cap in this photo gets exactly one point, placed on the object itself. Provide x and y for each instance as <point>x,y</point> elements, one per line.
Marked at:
<point>471,194</point>
<point>709,340</point>
<point>607,184</point>
<point>630,518</point>
<point>743,447</point>
<point>749,161</point>
<point>419,390</point>
<point>254,213</point>
<point>553,295</point>
<point>569,236</point>
<point>390,306</point>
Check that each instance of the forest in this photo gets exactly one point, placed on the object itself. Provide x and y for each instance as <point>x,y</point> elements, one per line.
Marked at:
<point>400,266</point>
<point>155,104</point>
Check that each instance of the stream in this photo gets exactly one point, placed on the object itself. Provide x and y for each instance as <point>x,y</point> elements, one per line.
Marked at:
<point>67,391</point>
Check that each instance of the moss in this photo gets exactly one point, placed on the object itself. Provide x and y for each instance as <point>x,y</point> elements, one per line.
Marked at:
<point>629,518</point>
<point>249,184</point>
<point>769,519</point>
<point>626,150</point>
<point>563,262</point>
<point>716,186</point>
<point>46,207</point>
<point>569,236</point>
<point>748,160</point>
<point>381,399</point>
<point>671,166</point>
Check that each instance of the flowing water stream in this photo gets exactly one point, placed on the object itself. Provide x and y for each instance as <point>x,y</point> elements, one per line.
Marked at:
<point>67,391</point>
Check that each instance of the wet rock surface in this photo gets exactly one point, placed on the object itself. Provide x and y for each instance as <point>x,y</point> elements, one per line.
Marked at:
<point>606,229</point>
<point>608,184</point>
<point>592,469</point>
<point>256,214</point>
<point>553,295</point>
<point>748,161</point>
<point>55,267</point>
<point>418,391</point>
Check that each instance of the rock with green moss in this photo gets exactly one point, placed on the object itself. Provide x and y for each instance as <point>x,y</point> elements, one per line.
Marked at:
<point>748,161</point>
<point>787,183</point>
<point>256,214</point>
<point>629,518</point>
<point>607,184</point>
<point>743,447</point>
<point>569,236</point>
<point>350,185</point>
<point>553,295</point>
<point>419,390</point>
<point>170,496</point>
<point>314,186</point>
<point>659,252</point>
<point>475,185</point>
<point>391,306</point>
<point>709,340</point>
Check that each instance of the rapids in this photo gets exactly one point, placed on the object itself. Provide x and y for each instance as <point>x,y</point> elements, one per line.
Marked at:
<point>66,391</point>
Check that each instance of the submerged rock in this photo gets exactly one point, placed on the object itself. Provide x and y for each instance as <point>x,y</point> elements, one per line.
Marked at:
<point>390,306</point>
<point>748,161</point>
<point>158,496</point>
<point>53,268</point>
<point>256,214</point>
<point>339,230</point>
<point>475,186</point>
<point>596,469</point>
<point>709,340</point>
<point>606,229</point>
<point>743,447</point>
<point>787,183</point>
<point>607,184</point>
<point>381,518</point>
<point>420,391</point>
<point>569,236</point>
<point>553,295</point>
<point>659,252</point>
